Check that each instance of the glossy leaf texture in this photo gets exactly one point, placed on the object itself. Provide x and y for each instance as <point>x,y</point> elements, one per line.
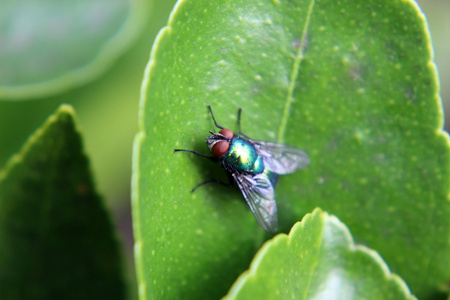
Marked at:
<point>350,82</point>
<point>56,238</point>
<point>318,260</point>
<point>50,46</point>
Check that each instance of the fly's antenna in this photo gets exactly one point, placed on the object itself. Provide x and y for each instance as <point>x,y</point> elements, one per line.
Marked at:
<point>239,125</point>
<point>212,116</point>
<point>239,119</point>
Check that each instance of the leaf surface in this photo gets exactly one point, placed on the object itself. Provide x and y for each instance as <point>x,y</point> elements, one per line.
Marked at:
<point>353,84</point>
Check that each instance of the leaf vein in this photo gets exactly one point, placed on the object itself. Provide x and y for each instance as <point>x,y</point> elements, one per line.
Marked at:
<point>294,74</point>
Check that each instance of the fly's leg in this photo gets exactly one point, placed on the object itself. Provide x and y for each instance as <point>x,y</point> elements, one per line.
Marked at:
<point>212,116</point>
<point>229,184</point>
<point>212,158</point>
<point>239,125</point>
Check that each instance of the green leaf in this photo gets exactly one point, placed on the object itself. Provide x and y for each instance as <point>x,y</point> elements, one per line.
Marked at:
<point>50,46</point>
<point>353,84</point>
<point>318,260</point>
<point>56,239</point>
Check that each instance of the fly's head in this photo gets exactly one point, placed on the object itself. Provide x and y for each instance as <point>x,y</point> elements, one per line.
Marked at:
<point>219,143</point>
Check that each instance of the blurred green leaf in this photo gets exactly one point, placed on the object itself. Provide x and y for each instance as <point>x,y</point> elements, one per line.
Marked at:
<point>48,46</point>
<point>318,260</point>
<point>351,83</point>
<point>106,109</point>
<point>56,239</point>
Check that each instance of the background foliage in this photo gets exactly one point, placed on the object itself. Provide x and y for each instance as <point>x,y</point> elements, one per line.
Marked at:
<point>56,238</point>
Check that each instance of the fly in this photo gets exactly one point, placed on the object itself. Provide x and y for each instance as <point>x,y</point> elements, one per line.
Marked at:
<point>254,166</point>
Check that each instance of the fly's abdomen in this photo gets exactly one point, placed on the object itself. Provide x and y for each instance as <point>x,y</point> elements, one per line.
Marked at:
<point>273,177</point>
<point>242,156</point>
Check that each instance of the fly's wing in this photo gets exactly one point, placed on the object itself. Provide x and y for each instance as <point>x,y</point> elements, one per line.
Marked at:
<point>258,192</point>
<point>281,159</point>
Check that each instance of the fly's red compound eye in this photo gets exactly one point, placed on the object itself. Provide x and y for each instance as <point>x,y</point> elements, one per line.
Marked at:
<point>220,148</point>
<point>227,133</point>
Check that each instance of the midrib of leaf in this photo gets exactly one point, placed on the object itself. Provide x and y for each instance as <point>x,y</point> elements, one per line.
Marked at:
<point>294,74</point>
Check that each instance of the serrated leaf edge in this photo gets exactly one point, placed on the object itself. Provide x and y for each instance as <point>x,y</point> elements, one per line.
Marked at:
<point>282,237</point>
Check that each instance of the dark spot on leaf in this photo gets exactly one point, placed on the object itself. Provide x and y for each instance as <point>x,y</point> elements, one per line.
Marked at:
<point>394,50</point>
<point>409,93</point>
<point>356,74</point>
<point>296,44</point>
<point>380,158</point>
<point>345,185</point>
<point>333,145</point>
<point>223,51</point>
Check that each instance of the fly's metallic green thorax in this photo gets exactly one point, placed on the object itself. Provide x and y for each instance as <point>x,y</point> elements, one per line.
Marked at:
<point>243,157</point>
<point>254,166</point>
